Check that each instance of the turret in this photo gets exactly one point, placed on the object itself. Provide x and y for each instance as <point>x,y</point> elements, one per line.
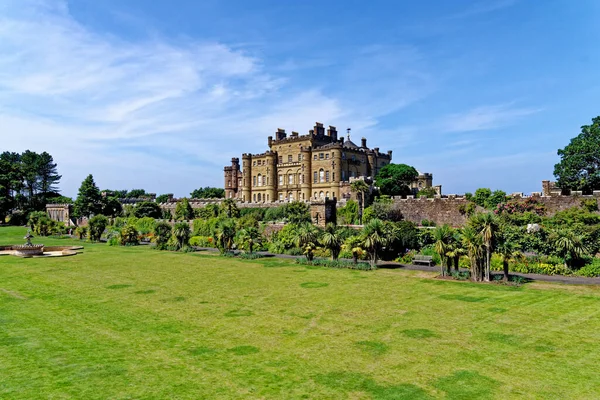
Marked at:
<point>305,173</point>
<point>271,187</point>
<point>246,177</point>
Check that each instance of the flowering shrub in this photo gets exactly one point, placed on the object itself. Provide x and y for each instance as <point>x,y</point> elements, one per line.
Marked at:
<point>519,206</point>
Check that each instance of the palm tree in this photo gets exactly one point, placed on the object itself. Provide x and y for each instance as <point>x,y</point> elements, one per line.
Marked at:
<point>443,238</point>
<point>487,225</point>
<point>230,208</point>
<point>306,237</point>
<point>507,250</point>
<point>375,236</point>
<point>354,244</point>
<point>569,245</point>
<point>473,244</point>
<point>455,250</point>
<point>181,231</point>
<point>248,237</point>
<point>331,240</point>
<point>359,186</point>
<point>224,234</point>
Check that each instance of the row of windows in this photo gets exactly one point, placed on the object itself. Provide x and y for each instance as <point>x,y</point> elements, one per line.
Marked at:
<point>320,176</point>
<point>320,156</point>
<point>258,197</point>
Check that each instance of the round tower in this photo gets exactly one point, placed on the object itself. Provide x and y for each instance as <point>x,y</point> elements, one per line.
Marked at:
<point>336,169</point>
<point>305,168</point>
<point>247,177</point>
<point>271,176</point>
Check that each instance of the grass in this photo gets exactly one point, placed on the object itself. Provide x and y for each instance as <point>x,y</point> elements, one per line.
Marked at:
<point>116,322</point>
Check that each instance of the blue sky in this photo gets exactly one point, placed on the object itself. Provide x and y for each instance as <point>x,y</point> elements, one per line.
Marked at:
<point>160,95</point>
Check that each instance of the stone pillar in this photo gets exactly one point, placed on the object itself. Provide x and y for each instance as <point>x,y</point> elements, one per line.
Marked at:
<point>272,176</point>
<point>247,177</point>
<point>337,173</point>
<point>306,172</point>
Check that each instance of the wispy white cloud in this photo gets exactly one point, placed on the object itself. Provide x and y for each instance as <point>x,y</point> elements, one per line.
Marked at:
<point>484,118</point>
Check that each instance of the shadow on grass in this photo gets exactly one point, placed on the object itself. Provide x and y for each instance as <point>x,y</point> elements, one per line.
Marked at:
<point>419,333</point>
<point>467,385</point>
<point>373,348</point>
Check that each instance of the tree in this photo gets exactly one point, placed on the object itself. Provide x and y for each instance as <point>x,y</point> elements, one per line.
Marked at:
<point>569,245</point>
<point>297,212</point>
<point>89,199</point>
<point>163,198</point>
<point>135,193</point>
<point>395,179</point>
<point>208,193</point>
<point>375,237</point>
<point>488,226</point>
<point>129,236</point>
<point>443,236</point>
<point>306,236</point>
<point>47,176</point>
<point>11,182</point>
<point>147,209</point>
<point>579,166</point>
<point>111,207</point>
<point>224,234</point>
<point>229,208</point>
<point>360,187</point>
<point>473,244</point>
<point>183,210</point>
<point>162,234</point>
<point>97,224</point>
<point>481,196</point>
<point>429,192</point>
<point>507,250</point>
<point>60,200</point>
<point>249,237</point>
<point>332,240</point>
<point>181,233</point>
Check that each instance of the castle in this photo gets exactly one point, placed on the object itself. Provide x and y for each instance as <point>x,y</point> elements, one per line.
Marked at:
<point>311,167</point>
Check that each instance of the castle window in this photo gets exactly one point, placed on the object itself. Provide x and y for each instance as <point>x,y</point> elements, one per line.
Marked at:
<point>281,179</point>
<point>229,183</point>
<point>321,175</point>
<point>327,194</point>
<point>280,196</point>
<point>302,196</point>
<point>267,197</point>
<point>315,195</point>
<point>254,197</point>
<point>343,156</point>
<point>280,159</point>
<point>259,180</point>
<point>254,181</point>
<point>291,196</point>
<point>299,157</point>
<point>326,176</point>
<point>320,156</point>
<point>321,195</point>
<point>315,177</point>
<point>315,157</point>
<point>254,163</point>
<point>333,176</point>
<point>291,179</point>
<point>327,156</point>
<point>290,158</point>
<point>353,157</point>
<point>259,197</point>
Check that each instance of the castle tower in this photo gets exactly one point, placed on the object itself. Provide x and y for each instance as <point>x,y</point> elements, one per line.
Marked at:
<point>247,177</point>
<point>231,178</point>
<point>336,177</point>
<point>271,176</point>
<point>305,167</point>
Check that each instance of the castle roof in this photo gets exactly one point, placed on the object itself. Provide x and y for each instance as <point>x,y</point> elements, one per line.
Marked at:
<point>349,144</point>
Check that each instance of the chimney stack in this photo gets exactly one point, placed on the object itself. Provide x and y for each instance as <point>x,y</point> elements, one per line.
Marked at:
<point>363,143</point>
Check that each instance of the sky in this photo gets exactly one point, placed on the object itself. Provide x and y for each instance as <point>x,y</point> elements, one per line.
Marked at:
<point>161,95</point>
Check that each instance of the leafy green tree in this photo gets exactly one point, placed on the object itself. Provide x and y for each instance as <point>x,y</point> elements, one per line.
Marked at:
<point>481,196</point>
<point>162,233</point>
<point>184,210</point>
<point>208,193</point>
<point>128,236</point>
<point>11,182</point>
<point>306,237</point>
<point>443,236</point>
<point>348,214</point>
<point>163,198</point>
<point>111,207</point>
<point>473,244</point>
<point>497,197</point>
<point>579,166</point>
<point>375,237</point>
<point>60,200</point>
<point>181,233</point>
<point>297,212</point>
<point>361,189</point>
<point>135,193</point>
<point>569,245</point>
<point>488,226</point>
<point>97,224</point>
<point>89,199</point>
<point>224,234</point>
<point>248,238</point>
<point>332,240</point>
<point>395,179</point>
<point>229,208</point>
<point>147,209</point>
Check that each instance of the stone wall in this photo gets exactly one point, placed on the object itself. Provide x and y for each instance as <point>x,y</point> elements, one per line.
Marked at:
<point>442,211</point>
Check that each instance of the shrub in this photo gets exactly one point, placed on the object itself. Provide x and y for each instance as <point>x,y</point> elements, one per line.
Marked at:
<point>162,233</point>
<point>363,266</point>
<point>462,275</point>
<point>202,241</point>
<point>81,232</point>
<point>181,233</point>
<point>129,236</point>
<point>590,204</point>
<point>147,209</point>
<point>590,270</point>
<point>145,225</point>
<point>275,214</point>
<point>97,224</point>
<point>250,256</point>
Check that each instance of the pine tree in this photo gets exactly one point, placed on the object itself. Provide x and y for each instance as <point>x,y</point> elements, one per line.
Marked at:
<point>89,199</point>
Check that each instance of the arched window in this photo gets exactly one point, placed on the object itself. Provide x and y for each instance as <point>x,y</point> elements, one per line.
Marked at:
<point>280,196</point>
<point>291,196</point>
<point>254,181</point>
<point>291,179</point>
<point>259,180</point>
<point>321,194</point>
<point>321,175</point>
<point>315,195</point>
<point>259,197</point>
<point>281,179</point>
<point>254,196</point>
<point>267,197</point>
<point>326,194</point>
<point>315,178</point>
<point>326,176</point>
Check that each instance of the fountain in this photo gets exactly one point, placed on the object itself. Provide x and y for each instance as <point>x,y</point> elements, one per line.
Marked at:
<point>28,249</point>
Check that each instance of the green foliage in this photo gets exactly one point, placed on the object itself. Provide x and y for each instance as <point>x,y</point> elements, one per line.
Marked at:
<point>208,193</point>
<point>485,198</point>
<point>332,240</point>
<point>224,234</point>
<point>395,179</point>
<point>111,207</point>
<point>590,205</point>
<point>590,270</point>
<point>162,233</point>
<point>147,209</point>
<point>348,214</point>
<point>229,209</point>
<point>89,199</point>
<point>428,192</point>
<point>362,266</point>
<point>467,209</point>
<point>135,193</point>
<point>162,198</point>
<point>248,238</point>
<point>129,236</point>
<point>275,214</point>
<point>203,227</point>
<point>207,212</point>
<point>202,241</point>
<point>60,200</point>
<point>297,212</point>
<point>97,224</point>
<point>183,210</point>
<point>579,166</point>
<point>181,234</point>
<point>428,223</point>
<point>81,232</point>
<point>144,225</point>
<point>519,206</point>
<point>384,209</point>
<point>481,196</point>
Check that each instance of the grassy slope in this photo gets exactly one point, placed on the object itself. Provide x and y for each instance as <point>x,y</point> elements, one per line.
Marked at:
<point>137,323</point>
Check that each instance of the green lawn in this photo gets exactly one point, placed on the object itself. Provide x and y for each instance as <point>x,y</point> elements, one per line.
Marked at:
<point>138,323</point>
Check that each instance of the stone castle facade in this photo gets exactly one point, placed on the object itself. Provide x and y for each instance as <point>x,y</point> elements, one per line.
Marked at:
<point>308,167</point>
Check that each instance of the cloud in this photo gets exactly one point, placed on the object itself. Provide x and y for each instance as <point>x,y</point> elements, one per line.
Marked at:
<point>484,118</point>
